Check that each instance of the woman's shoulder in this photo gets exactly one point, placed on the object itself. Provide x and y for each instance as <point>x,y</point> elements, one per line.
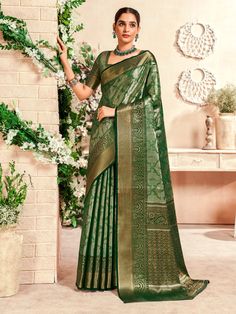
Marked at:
<point>103,53</point>
<point>145,51</point>
<point>102,57</point>
<point>150,56</point>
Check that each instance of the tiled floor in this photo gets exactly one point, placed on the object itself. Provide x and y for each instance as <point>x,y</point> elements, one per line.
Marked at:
<point>210,253</point>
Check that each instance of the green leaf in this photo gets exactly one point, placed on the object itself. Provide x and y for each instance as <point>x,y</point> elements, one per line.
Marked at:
<point>74,222</point>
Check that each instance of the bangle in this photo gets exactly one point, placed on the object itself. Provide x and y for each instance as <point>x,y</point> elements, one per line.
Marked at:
<point>73,81</point>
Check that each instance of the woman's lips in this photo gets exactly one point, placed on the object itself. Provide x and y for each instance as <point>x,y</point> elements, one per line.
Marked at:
<point>125,36</point>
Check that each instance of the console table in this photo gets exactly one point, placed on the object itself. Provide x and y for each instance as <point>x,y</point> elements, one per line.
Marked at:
<point>193,159</point>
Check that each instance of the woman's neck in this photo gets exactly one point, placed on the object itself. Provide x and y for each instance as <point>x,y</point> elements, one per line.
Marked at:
<point>123,47</point>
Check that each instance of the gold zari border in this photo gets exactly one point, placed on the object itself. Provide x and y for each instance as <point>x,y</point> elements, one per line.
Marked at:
<point>102,162</point>
<point>125,260</point>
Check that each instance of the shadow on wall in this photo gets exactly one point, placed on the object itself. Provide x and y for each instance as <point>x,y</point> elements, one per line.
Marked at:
<point>188,130</point>
<point>205,197</point>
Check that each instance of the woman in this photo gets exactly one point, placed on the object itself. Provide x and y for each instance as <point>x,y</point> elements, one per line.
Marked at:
<point>130,239</point>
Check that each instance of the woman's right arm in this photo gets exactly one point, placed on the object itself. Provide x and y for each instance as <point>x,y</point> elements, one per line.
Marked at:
<point>81,91</point>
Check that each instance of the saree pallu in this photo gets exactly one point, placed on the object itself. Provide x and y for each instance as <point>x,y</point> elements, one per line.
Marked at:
<point>130,238</point>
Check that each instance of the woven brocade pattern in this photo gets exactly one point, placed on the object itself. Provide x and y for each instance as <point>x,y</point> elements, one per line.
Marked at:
<point>97,263</point>
<point>130,239</point>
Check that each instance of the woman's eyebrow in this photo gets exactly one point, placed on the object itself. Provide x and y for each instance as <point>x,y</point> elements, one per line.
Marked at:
<point>127,21</point>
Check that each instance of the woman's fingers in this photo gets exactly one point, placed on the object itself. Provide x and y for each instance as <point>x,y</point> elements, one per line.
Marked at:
<point>100,115</point>
<point>106,111</point>
<point>103,112</point>
<point>59,47</point>
<point>61,44</point>
<point>59,40</point>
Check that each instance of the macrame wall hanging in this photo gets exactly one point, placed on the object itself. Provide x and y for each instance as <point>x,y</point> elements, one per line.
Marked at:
<point>196,40</point>
<point>196,91</point>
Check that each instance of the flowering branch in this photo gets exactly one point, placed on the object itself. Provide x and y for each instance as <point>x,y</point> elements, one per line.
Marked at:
<point>47,147</point>
<point>17,37</point>
<point>75,119</point>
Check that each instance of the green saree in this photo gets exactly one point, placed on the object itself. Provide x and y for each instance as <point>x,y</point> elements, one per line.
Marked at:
<point>130,239</point>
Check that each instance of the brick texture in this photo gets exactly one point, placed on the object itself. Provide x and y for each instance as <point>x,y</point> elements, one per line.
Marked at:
<point>48,14</point>
<point>38,3</point>
<point>22,12</point>
<point>10,2</point>
<point>36,98</point>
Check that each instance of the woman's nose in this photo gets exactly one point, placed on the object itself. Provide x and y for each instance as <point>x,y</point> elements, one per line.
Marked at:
<point>126,28</point>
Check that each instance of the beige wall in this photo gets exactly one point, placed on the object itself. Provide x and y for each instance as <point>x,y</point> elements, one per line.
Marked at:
<point>200,197</point>
<point>37,100</point>
<point>159,22</point>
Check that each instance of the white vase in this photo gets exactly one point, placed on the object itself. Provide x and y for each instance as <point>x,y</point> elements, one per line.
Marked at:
<point>10,260</point>
<point>226,131</point>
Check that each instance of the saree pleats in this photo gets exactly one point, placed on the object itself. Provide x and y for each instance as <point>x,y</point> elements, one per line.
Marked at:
<point>97,259</point>
<point>130,238</point>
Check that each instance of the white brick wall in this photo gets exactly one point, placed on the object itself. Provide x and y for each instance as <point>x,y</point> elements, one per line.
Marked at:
<point>36,98</point>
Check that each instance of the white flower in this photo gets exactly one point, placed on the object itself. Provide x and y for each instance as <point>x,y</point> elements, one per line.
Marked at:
<point>82,130</point>
<point>81,192</point>
<point>83,76</point>
<point>60,78</point>
<point>70,45</point>
<point>69,121</point>
<point>56,150</point>
<point>32,53</point>
<point>61,3</point>
<point>89,124</point>
<point>11,24</point>
<point>11,134</point>
<point>45,71</point>
<point>82,162</point>
<point>59,75</point>
<point>80,59</point>
<point>42,147</point>
<point>18,112</point>
<point>71,133</point>
<point>42,158</point>
<point>94,104</point>
<point>64,37</point>
<point>9,215</point>
<point>62,28</point>
<point>27,146</point>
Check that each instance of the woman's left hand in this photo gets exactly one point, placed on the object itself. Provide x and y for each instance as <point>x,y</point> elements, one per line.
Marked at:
<point>104,112</point>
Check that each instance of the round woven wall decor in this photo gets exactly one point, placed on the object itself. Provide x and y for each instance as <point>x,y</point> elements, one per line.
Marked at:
<point>196,45</point>
<point>196,92</point>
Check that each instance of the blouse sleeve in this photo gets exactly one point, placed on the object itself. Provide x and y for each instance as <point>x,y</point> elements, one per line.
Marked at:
<point>93,78</point>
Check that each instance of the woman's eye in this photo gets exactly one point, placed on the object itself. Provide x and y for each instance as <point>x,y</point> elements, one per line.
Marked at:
<point>132,25</point>
<point>121,23</point>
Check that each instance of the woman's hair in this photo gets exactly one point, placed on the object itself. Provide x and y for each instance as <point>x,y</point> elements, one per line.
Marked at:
<point>127,10</point>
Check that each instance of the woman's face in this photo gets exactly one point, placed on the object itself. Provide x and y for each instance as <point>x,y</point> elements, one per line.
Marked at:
<point>126,28</point>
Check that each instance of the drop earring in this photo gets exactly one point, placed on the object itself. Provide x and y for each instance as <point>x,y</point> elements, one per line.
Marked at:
<point>136,37</point>
<point>113,34</point>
